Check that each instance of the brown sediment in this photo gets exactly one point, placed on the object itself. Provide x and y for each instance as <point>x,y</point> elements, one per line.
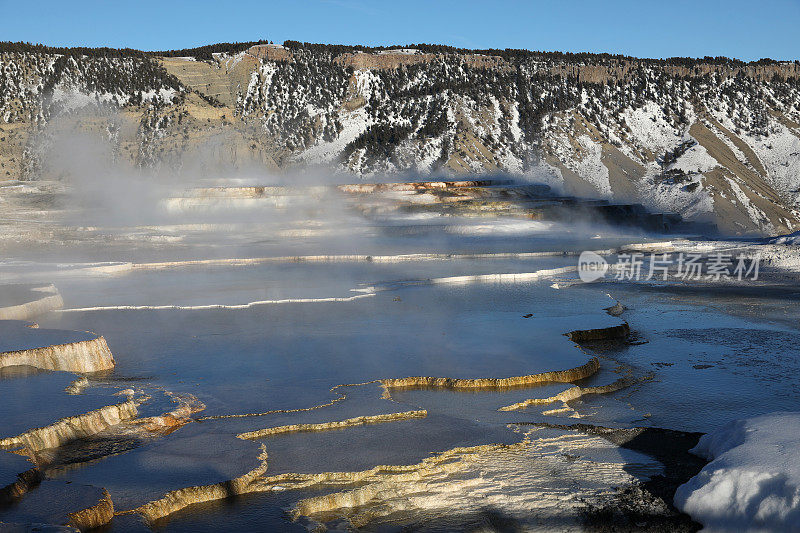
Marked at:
<point>340,424</point>
<point>86,356</point>
<point>188,404</point>
<point>71,428</point>
<point>29,310</point>
<point>573,393</point>
<point>95,516</point>
<point>600,334</point>
<point>558,376</point>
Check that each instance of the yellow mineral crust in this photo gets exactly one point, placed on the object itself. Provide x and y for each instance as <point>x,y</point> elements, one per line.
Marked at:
<point>179,499</point>
<point>95,516</point>
<point>573,393</point>
<point>52,300</point>
<point>517,481</point>
<point>72,428</point>
<point>340,424</point>
<point>90,355</point>
<point>26,481</point>
<point>558,376</point>
<point>254,481</point>
<point>340,396</point>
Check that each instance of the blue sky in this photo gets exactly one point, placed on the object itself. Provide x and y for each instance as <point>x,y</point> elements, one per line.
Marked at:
<point>646,28</point>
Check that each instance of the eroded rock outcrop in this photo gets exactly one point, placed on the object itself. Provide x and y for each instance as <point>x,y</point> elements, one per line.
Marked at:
<point>108,431</point>
<point>339,424</point>
<point>270,52</point>
<point>615,310</point>
<point>394,59</point>
<point>77,386</point>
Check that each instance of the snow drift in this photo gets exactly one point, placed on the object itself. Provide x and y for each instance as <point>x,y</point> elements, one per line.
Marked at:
<point>753,480</point>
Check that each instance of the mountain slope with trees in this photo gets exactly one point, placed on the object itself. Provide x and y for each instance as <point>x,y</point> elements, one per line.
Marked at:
<point>714,139</point>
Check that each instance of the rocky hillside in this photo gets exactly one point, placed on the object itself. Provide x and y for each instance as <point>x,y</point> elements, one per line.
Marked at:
<point>714,139</point>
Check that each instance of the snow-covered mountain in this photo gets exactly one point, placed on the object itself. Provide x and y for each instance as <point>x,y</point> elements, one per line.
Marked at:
<point>713,139</point>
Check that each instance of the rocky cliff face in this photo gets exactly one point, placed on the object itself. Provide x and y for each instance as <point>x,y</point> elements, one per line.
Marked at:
<point>713,139</point>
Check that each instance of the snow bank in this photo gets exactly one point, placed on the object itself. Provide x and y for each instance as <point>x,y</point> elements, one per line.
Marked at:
<point>753,480</point>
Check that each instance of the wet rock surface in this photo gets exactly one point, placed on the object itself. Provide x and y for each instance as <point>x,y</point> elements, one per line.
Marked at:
<point>600,334</point>
<point>17,478</point>
<point>55,502</point>
<point>646,506</point>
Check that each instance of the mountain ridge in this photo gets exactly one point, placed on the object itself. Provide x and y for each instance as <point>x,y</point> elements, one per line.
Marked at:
<point>714,139</point>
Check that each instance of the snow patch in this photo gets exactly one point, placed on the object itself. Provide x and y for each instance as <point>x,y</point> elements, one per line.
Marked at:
<point>650,129</point>
<point>675,198</point>
<point>591,167</point>
<point>353,125</point>
<point>755,214</point>
<point>753,480</point>
<point>779,153</point>
<point>696,159</point>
